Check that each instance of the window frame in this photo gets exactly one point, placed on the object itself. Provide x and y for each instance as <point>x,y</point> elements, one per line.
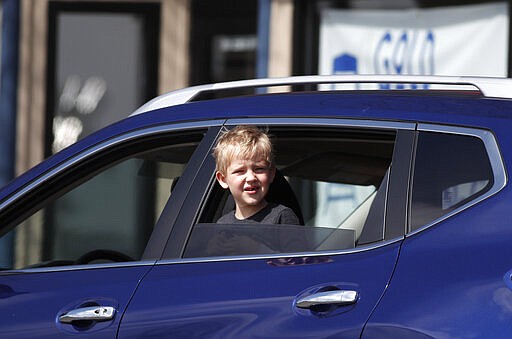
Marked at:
<point>495,160</point>
<point>188,217</point>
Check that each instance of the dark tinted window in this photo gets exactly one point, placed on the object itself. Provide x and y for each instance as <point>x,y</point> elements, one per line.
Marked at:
<point>106,214</point>
<point>450,170</point>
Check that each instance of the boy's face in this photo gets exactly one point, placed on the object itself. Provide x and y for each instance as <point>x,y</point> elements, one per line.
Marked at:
<point>248,181</point>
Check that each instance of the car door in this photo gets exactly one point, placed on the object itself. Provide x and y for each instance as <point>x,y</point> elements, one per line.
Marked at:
<point>327,289</point>
<point>86,232</point>
<point>452,278</point>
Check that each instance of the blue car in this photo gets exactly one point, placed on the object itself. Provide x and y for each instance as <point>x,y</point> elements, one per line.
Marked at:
<point>400,184</point>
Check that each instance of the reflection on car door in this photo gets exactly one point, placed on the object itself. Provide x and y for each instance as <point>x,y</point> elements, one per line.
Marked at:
<point>258,297</point>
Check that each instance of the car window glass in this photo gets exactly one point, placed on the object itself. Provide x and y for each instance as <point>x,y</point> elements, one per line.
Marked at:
<point>108,217</point>
<point>450,170</point>
<point>335,180</point>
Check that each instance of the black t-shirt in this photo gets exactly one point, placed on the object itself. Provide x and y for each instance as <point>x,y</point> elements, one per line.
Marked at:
<point>272,213</point>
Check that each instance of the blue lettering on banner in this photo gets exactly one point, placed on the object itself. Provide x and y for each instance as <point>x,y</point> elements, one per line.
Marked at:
<point>345,64</point>
<point>407,52</point>
<point>399,52</point>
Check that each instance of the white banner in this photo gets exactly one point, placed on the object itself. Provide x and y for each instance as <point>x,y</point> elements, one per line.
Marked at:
<point>463,40</point>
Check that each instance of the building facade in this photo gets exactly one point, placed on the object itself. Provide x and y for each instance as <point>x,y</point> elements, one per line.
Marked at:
<point>84,64</point>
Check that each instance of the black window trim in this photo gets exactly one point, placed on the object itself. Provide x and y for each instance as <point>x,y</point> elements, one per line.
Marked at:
<point>398,192</point>
<point>495,159</point>
<point>164,229</point>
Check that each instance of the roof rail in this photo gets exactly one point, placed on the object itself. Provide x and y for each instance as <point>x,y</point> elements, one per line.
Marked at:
<point>488,86</point>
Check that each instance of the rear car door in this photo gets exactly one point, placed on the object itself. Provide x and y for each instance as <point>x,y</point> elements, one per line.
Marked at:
<point>85,231</point>
<point>346,179</point>
<point>453,275</point>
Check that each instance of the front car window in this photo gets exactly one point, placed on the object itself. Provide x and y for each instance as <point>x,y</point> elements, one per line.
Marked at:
<point>335,180</point>
<point>108,210</point>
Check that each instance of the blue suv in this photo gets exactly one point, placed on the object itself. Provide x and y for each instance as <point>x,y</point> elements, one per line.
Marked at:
<point>402,195</point>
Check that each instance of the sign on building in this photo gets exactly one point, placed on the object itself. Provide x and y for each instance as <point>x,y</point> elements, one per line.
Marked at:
<point>463,40</point>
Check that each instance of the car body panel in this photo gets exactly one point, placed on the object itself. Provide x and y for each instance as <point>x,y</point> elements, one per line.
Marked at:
<point>450,279</point>
<point>255,298</point>
<point>32,302</point>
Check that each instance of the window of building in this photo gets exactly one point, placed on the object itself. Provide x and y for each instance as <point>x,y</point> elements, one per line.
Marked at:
<point>223,41</point>
<point>102,66</point>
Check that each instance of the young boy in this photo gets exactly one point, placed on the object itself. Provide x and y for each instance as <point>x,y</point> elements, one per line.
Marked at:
<point>245,166</point>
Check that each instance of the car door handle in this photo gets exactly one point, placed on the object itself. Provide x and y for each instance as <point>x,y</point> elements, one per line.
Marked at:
<point>91,313</point>
<point>335,297</point>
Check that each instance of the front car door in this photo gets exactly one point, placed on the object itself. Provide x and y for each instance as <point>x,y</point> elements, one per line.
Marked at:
<point>86,231</point>
<point>347,181</point>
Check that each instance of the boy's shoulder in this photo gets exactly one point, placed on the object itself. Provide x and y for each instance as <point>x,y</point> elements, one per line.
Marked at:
<point>272,213</point>
<point>228,218</point>
<point>279,214</point>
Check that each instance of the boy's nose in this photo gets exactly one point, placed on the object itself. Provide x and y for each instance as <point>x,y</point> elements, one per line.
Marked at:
<point>250,176</point>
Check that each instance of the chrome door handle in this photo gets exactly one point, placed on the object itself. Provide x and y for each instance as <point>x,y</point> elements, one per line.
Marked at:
<point>336,297</point>
<point>93,313</point>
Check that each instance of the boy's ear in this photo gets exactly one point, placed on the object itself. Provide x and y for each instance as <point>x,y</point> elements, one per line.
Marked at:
<point>221,179</point>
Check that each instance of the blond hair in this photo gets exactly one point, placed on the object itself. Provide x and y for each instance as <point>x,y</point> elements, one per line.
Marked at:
<point>242,142</point>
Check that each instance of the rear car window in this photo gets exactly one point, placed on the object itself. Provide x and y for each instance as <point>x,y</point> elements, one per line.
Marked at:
<point>450,171</point>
